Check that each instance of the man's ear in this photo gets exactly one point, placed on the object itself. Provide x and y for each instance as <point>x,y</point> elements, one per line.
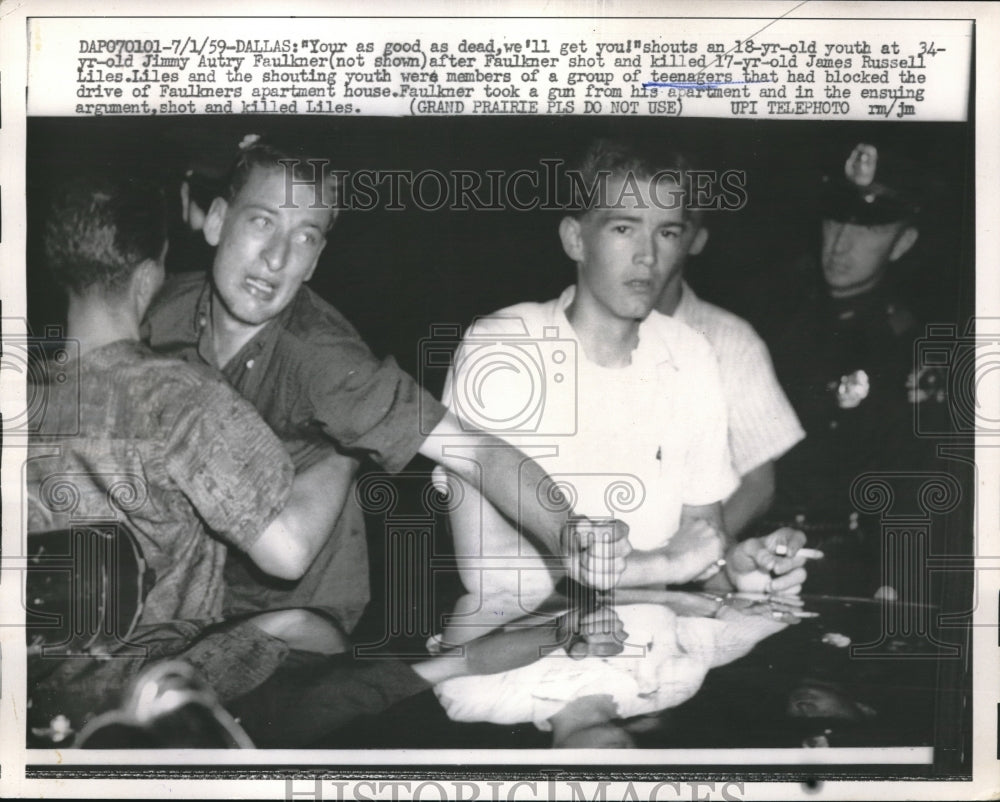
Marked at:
<point>214,219</point>
<point>572,242</point>
<point>906,240</point>
<point>698,243</point>
<point>146,281</point>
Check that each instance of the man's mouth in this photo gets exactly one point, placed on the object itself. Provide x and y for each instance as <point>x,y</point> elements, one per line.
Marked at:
<point>640,285</point>
<point>259,288</point>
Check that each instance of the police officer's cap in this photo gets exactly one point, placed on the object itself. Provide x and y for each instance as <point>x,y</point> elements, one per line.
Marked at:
<point>872,189</point>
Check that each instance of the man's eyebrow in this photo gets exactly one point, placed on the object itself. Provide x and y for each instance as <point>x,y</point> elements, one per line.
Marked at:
<point>262,207</point>
<point>271,209</point>
<point>617,216</point>
<point>311,224</point>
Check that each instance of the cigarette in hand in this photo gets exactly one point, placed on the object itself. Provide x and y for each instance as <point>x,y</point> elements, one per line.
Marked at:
<point>793,601</point>
<point>781,550</point>
<point>794,613</point>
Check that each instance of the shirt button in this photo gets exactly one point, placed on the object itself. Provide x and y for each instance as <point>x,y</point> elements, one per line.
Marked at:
<point>833,424</point>
<point>249,364</point>
<point>202,321</point>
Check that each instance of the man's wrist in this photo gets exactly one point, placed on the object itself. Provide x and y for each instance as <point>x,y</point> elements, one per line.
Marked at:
<point>442,667</point>
<point>670,568</point>
<point>720,582</point>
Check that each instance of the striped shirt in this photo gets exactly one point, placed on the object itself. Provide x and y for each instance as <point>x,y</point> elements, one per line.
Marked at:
<point>762,423</point>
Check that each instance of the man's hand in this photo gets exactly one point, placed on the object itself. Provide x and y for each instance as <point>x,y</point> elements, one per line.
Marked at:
<point>736,609</point>
<point>595,550</point>
<point>694,552</point>
<point>748,626</point>
<point>768,564</point>
<point>599,632</point>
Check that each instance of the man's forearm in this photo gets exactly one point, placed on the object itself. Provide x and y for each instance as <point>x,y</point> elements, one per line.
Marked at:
<point>648,568</point>
<point>514,483</point>
<point>291,541</point>
<point>664,566</point>
<point>518,487</point>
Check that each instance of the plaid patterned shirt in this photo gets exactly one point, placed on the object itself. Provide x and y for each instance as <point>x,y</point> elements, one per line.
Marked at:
<point>169,451</point>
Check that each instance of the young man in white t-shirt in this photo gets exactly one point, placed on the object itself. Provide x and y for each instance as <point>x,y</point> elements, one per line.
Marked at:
<point>623,406</point>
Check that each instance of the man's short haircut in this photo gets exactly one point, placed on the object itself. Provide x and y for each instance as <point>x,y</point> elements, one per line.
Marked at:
<point>100,228</point>
<point>605,159</point>
<point>306,166</point>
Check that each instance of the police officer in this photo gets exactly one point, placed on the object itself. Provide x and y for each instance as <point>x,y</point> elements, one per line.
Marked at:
<point>845,361</point>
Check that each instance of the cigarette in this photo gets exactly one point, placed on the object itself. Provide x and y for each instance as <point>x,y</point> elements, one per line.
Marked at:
<point>794,613</point>
<point>791,601</point>
<point>810,554</point>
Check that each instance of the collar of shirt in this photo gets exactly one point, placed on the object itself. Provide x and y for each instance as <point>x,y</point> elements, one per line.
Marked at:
<point>687,307</point>
<point>652,350</point>
<point>250,353</point>
<point>110,354</point>
<point>875,310</point>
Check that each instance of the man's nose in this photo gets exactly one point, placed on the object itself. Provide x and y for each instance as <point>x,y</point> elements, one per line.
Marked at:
<point>645,251</point>
<point>276,252</point>
<point>840,239</point>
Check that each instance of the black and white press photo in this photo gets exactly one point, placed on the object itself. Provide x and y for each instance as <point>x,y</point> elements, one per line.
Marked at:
<point>516,404</point>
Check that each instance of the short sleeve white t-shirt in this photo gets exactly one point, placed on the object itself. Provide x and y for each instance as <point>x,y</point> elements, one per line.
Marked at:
<point>635,443</point>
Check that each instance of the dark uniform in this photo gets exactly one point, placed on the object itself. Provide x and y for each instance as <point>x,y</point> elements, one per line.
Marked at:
<point>847,366</point>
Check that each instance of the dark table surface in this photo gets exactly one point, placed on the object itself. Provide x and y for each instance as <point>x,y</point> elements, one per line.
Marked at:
<point>880,682</point>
